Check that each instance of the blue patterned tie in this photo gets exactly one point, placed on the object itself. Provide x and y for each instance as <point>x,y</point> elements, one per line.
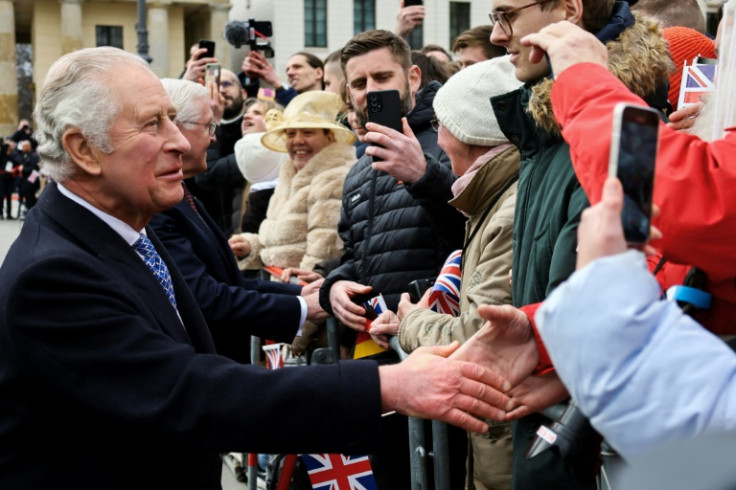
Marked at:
<point>153,261</point>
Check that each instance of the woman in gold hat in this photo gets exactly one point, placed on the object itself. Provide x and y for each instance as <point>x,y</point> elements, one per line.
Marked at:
<point>300,228</point>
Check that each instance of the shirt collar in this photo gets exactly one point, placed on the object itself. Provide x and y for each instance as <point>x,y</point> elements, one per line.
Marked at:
<point>123,229</point>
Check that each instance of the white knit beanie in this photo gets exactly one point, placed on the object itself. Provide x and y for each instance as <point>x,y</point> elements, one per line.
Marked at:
<point>463,103</point>
<point>257,163</point>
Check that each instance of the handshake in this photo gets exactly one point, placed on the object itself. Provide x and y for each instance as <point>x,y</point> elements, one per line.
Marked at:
<point>491,376</point>
<point>506,346</point>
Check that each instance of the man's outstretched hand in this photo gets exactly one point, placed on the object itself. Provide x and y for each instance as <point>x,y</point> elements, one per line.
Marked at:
<point>505,344</point>
<point>429,385</point>
<point>536,393</point>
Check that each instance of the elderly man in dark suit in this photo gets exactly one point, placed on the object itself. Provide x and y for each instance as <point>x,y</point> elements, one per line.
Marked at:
<point>233,306</point>
<point>107,367</point>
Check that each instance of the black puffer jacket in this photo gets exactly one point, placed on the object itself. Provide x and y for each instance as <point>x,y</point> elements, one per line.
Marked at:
<point>393,232</point>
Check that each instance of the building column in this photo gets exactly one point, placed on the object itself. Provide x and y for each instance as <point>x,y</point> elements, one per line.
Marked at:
<point>218,18</point>
<point>158,37</point>
<point>71,25</point>
<point>8,70</point>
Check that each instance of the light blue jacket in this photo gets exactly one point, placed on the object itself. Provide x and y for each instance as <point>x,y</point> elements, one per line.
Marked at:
<point>643,372</point>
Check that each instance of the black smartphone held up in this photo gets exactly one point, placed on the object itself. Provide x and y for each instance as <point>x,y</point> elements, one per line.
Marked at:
<point>633,154</point>
<point>210,45</point>
<point>418,287</point>
<point>409,3</point>
<point>384,108</point>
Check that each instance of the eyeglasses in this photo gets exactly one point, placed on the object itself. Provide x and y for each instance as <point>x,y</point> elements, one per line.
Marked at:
<point>504,18</point>
<point>435,123</point>
<point>211,126</point>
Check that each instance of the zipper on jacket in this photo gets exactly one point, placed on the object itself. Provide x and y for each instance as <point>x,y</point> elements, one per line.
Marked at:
<point>369,230</point>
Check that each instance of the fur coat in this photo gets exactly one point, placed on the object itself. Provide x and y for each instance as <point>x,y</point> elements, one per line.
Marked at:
<point>300,228</point>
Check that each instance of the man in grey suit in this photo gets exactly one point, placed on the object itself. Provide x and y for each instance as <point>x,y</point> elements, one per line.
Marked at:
<point>107,368</point>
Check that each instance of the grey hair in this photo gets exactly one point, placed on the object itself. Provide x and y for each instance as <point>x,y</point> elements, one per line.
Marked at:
<point>75,95</point>
<point>183,94</point>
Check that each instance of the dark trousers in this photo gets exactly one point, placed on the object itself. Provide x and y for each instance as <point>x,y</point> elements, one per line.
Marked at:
<point>28,192</point>
<point>6,193</point>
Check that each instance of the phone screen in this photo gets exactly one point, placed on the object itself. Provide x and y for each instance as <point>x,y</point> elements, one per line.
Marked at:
<point>212,74</point>
<point>637,153</point>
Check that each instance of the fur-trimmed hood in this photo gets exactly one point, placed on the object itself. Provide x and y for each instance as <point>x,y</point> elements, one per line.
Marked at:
<point>638,57</point>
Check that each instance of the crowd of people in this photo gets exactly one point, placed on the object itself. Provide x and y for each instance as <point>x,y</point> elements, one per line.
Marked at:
<point>20,172</point>
<point>130,297</point>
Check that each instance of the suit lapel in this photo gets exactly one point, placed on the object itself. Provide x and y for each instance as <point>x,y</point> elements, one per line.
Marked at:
<point>95,236</point>
<point>212,234</point>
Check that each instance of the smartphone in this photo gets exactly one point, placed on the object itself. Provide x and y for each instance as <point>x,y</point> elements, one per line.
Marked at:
<point>212,74</point>
<point>384,108</point>
<point>210,45</point>
<point>373,303</point>
<point>632,157</point>
<point>409,3</point>
<point>418,287</point>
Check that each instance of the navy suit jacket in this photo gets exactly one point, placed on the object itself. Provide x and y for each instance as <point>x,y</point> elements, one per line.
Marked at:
<point>233,306</point>
<point>101,386</point>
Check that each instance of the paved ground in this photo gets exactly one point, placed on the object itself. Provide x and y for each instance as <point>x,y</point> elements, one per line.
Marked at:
<point>9,230</point>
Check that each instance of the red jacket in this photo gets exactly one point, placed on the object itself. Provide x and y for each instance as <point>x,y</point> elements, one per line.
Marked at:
<point>694,182</point>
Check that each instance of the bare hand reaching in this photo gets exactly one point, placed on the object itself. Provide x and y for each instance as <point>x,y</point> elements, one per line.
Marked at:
<point>402,155</point>
<point>240,246</point>
<point>429,385</point>
<point>566,45</point>
<point>343,307</point>
<point>314,310</point>
<point>505,344</point>
<point>217,101</point>
<point>684,118</point>
<point>259,67</point>
<point>408,18</point>
<point>384,326</point>
<point>196,66</point>
<point>406,306</point>
<point>536,393</point>
<point>301,274</point>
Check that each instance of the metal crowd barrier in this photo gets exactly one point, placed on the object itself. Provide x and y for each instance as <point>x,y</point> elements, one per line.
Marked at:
<point>440,453</point>
<point>419,456</point>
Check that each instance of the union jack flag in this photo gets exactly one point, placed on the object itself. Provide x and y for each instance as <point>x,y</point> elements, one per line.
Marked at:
<point>445,294</point>
<point>377,303</point>
<point>697,80</point>
<point>274,358</point>
<point>339,472</point>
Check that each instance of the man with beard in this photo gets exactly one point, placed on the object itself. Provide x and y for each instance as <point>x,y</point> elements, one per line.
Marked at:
<point>220,187</point>
<point>396,223</point>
